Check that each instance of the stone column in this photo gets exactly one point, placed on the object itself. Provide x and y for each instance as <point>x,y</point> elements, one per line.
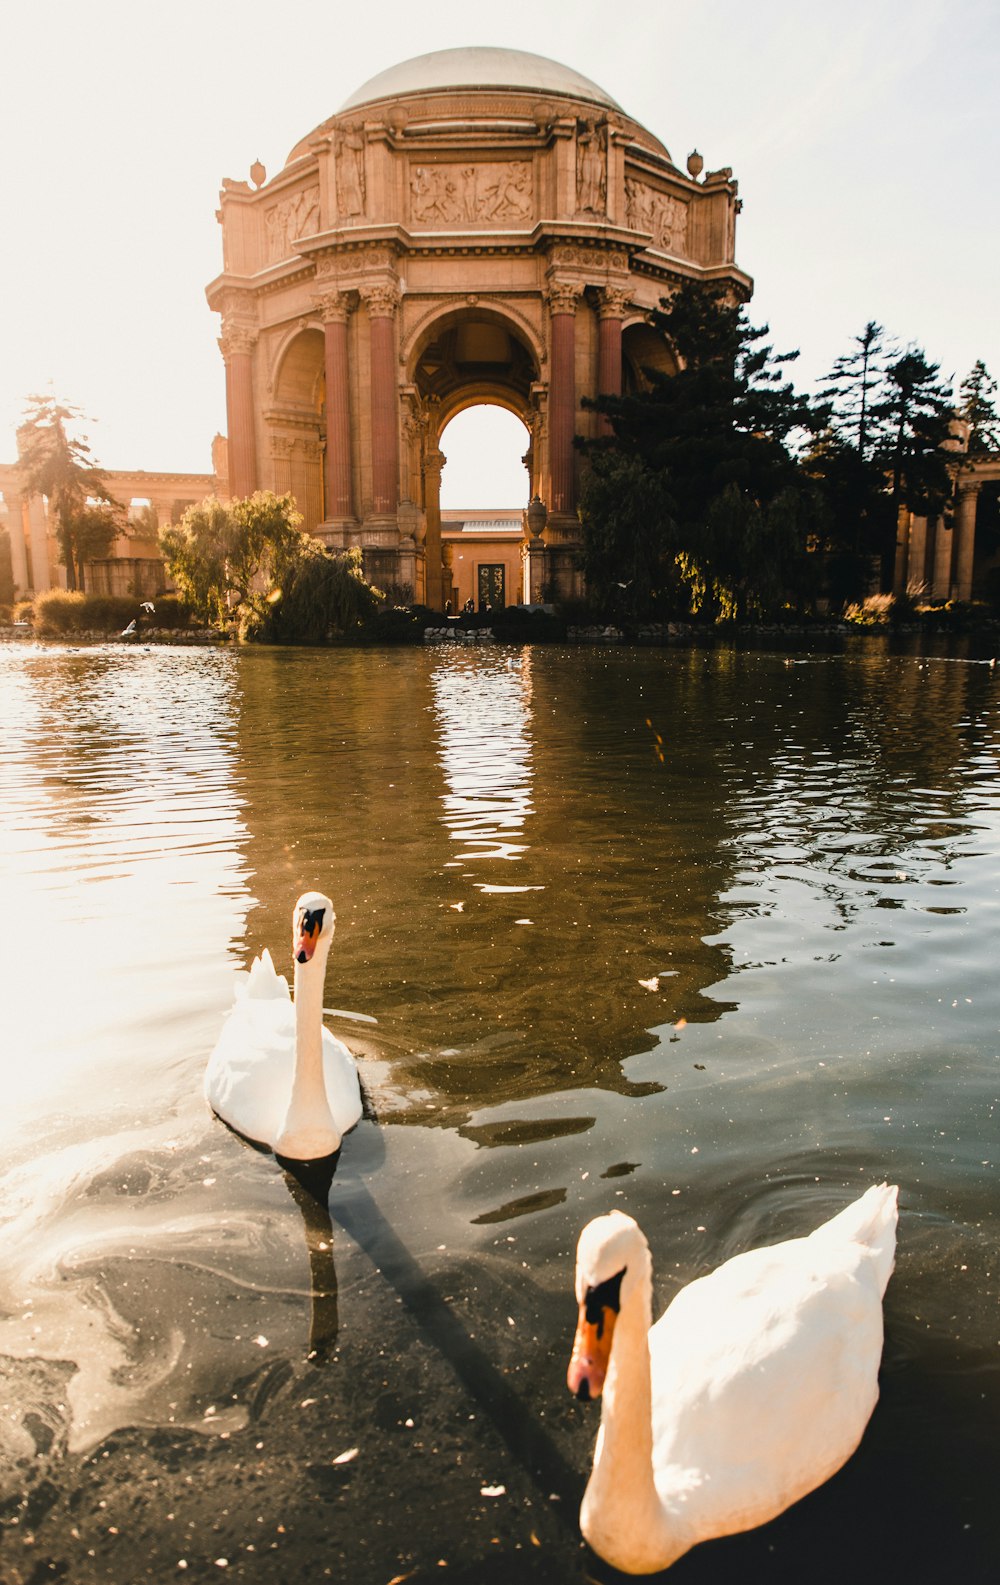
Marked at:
<point>434,461</point>
<point>237,343</point>
<point>965,538</point>
<point>612,302</point>
<point>18,546</point>
<point>562,300</point>
<point>382,302</point>
<point>916,555</point>
<point>335,308</point>
<point>941,578</point>
<point>38,539</point>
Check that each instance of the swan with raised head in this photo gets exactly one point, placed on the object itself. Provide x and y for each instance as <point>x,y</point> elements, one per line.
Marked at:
<point>753,1387</point>
<point>276,1075</point>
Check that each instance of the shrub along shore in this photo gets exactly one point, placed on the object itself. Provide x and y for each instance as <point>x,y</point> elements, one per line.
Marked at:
<point>61,616</point>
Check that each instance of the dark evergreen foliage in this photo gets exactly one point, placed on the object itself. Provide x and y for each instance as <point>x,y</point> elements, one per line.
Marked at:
<point>679,506</point>
<point>978,410</point>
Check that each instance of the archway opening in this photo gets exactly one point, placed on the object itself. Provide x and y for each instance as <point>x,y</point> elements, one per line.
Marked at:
<point>485,446</point>
<point>484,490</point>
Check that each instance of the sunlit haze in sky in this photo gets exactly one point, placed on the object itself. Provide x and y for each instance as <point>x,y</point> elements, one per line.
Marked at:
<point>865,137</point>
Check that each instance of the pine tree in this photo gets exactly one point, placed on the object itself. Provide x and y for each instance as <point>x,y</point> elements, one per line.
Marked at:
<point>683,487</point>
<point>919,416</point>
<point>855,391</point>
<point>978,410</point>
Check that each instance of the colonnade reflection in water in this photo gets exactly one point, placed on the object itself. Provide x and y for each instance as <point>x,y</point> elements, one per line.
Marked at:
<point>483,724</point>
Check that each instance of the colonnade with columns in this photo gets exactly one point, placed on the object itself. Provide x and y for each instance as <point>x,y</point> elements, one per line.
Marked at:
<point>374,511</point>
<point>936,556</point>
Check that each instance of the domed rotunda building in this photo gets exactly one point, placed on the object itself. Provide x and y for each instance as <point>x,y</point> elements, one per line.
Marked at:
<point>472,226</point>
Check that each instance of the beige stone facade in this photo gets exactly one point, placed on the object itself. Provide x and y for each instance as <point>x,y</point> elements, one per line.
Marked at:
<point>134,564</point>
<point>472,226</point>
<point>485,558</point>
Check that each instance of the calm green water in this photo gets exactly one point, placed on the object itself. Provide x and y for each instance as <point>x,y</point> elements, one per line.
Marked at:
<point>707,936</point>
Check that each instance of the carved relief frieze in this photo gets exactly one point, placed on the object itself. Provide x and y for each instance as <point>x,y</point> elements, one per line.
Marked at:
<point>589,259</point>
<point>376,258</point>
<point>648,209</point>
<point>471,194</point>
<point>237,304</point>
<point>592,169</point>
<point>294,216</point>
<point>349,144</point>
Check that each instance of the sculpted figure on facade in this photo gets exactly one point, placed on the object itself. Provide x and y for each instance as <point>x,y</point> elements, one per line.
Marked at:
<point>433,193</point>
<point>350,146</point>
<point>508,195</point>
<point>591,170</point>
<point>455,193</point>
<point>293,217</point>
<point>664,217</point>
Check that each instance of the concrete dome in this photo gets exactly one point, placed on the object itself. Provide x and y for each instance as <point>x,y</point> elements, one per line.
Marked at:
<point>479,67</point>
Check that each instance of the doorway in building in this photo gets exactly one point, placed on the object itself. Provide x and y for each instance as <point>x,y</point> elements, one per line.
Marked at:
<point>492,585</point>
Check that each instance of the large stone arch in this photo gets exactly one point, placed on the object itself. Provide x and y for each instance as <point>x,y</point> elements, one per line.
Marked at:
<point>295,420</point>
<point>483,199</point>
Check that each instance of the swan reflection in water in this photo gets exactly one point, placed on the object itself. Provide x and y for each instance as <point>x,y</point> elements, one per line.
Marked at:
<point>309,1184</point>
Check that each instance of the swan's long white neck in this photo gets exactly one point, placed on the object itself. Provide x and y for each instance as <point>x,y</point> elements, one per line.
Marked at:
<point>622,1515</point>
<point>309,1131</point>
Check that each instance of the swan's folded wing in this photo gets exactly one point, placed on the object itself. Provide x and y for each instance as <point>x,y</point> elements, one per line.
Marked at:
<point>343,1087</point>
<point>765,1374</point>
<point>263,982</point>
<point>248,1079</point>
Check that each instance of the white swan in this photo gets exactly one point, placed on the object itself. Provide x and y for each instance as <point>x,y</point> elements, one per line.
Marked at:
<point>276,1075</point>
<point>754,1386</point>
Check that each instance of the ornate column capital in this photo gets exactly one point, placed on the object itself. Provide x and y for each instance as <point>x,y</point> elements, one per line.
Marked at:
<point>612,302</point>
<point>381,299</point>
<point>334,306</point>
<point>434,461</point>
<point>563,296</point>
<point>237,336</point>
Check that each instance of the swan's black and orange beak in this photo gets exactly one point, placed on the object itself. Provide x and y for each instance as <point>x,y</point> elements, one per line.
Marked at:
<point>595,1328</point>
<point>308,924</point>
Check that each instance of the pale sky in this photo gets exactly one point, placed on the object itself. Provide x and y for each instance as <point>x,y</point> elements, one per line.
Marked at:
<point>865,136</point>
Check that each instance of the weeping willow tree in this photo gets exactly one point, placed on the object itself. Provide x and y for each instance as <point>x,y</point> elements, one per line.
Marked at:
<point>323,595</point>
<point>248,563</point>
